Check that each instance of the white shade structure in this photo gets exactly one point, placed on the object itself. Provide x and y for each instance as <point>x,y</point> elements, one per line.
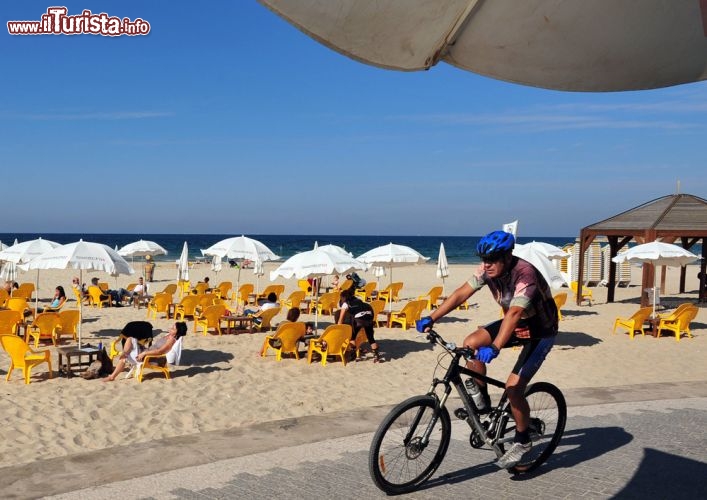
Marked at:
<point>83,256</point>
<point>317,263</point>
<point>658,254</point>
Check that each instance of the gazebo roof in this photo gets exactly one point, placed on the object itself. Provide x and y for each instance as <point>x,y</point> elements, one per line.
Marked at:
<point>673,215</point>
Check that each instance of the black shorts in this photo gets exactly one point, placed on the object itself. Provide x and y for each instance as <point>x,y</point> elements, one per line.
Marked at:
<point>533,353</point>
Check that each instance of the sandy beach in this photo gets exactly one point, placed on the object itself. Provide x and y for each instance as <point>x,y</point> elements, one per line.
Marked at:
<point>223,382</point>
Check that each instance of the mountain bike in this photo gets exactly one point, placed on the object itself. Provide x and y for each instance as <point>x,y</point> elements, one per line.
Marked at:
<point>413,438</point>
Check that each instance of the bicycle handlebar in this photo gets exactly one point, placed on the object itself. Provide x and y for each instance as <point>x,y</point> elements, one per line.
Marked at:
<point>435,338</point>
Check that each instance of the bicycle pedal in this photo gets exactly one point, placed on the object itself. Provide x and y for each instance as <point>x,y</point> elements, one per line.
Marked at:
<point>461,413</point>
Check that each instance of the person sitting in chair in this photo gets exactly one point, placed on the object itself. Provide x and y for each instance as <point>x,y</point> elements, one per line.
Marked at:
<point>137,335</point>
<point>57,301</point>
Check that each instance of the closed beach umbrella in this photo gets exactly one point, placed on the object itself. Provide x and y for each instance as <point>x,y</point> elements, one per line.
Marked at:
<point>183,264</point>
<point>81,255</point>
<point>658,254</point>
<point>315,264</point>
<point>442,265</point>
<point>216,264</point>
<point>242,248</point>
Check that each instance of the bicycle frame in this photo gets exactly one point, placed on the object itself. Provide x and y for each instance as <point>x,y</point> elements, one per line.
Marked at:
<point>498,416</point>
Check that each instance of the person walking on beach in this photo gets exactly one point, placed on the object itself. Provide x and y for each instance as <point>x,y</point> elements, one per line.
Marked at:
<point>360,315</point>
<point>529,320</point>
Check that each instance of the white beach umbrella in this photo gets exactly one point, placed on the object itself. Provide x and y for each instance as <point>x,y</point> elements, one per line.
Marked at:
<point>142,248</point>
<point>392,255</point>
<point>81,255</point>
<point>550,251</point>
<point>20,253</point>
<point>658,254</point>
<point>538,256</point>
<point>442,265</point>
<point>315,264</point>
<point>183,264</point>
<point>242,248</point>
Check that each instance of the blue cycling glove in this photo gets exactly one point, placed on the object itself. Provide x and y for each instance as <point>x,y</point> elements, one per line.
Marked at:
<point>486,354</point>
<point>424,324</point>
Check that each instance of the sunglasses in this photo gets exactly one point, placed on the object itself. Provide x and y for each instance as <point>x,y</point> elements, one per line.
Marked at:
<point>490,260</point>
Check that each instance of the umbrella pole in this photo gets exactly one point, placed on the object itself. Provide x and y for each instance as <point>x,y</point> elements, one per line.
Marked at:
<point>80,303</point>
<point>36,296</point>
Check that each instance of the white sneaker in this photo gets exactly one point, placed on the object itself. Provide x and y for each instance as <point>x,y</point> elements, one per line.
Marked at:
<point>514,455</point>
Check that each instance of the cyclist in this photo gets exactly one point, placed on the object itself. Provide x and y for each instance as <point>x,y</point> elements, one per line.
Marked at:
<point>529,320</point>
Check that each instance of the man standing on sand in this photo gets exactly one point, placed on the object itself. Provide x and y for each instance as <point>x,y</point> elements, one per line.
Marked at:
<point>529,320</point>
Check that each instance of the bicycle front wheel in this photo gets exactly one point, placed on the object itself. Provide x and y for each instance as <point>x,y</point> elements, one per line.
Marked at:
<point>548,415</point>
<point>409,445</point>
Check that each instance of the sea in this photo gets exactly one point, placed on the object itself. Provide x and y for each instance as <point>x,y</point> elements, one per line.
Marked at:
<point>459,249</point>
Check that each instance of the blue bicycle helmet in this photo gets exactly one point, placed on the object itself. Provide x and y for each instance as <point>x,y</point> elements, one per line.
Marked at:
<point>495,244</point>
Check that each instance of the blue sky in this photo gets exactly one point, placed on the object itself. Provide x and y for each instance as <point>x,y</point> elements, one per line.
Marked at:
<point>229,120</point>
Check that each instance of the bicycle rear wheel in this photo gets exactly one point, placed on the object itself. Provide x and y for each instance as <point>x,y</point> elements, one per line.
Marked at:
<point>548,415</point>
<point>399,461</point>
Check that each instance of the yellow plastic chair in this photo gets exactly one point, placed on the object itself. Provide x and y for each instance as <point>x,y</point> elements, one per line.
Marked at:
<point>44,326</point>
<point>305,287</point>
<point>276,288</point>
<point>673,315</point>
<point>407,316</point>
<point>635,322</point>
<point>184,287</point>
<point>103,286</point>
<point>159,304</point>
<point>366,292</point>
<point>242,295</point>
<point>9,321</point>
<point>327,303</point>
<point>431,297</point>
<point>97,297</point>
<point>58,308</point>
<point>158,362</point>
<point>20,305</point>
<point>681,322</point>
<point>23,357</point>
<point>294,300</point>
<point>200,288</point>
<point>3,297</point>
<point>80,297</point>
<point>333,342</point>
<point>186,307</point>
<point>25,290</point>
<point>560,300</point>
<point>586,293</point>
<point>348,283</point>
<point>289,336</point>
<point>68,323</point>
<point>221,291</point>
<point>265,318</point>
<point>358,342</point>
<point>391,292</point>
<point>171,288</point>
<point>378,306</point>
<point>210,318</point>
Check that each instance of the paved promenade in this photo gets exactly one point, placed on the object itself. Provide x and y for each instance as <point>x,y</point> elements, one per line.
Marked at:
<point>638,441</point>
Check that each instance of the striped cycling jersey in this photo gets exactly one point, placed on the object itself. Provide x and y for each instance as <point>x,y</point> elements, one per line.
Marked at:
<point>525,287</point>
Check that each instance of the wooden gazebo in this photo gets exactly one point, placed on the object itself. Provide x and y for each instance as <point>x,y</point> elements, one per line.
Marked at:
<point>671,218</point>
